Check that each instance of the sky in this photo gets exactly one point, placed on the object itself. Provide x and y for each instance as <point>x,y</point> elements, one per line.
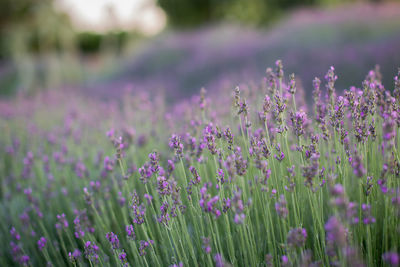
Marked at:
<point>103,15</point>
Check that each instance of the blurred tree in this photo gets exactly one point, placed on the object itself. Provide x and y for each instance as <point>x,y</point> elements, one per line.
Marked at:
<point>42,48</point>
<point>32,26</point>
<point>189,13</point>
<point>91,42</point>
<point>34,39</point>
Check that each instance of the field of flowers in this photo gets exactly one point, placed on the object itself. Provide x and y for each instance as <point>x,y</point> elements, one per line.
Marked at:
<point>352,38</point>
<point>249,177</point>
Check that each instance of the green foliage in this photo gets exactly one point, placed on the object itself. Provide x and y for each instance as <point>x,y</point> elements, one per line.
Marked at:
<point>32,27</point>
<point>184,13</point>
<point>91,42</point>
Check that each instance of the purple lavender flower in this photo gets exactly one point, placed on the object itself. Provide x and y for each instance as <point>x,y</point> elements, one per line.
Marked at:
<point>121,199</point>
<point>221,176</point>
<point>236,101</point>
<point>267,105</point>
<point>120,146</point>
<point>206,245</point>
<point>265,151</point>
<point>281,208</point>
<point>74,256</point>
<point>88,196</point>
<point>382,185</point>
<point>239,218</point>
<point>59,157</point>
<point>331,78</point>
<point>110,133</point>
<point>238,207</point>
<point>291,88</point>
<point>108,164</point>
<point>95,185</point>
<point>389,128</point>
<point>24,260</point>
<point>42,243</point>
<point>335,232</point>
<point>316,86</point>
<point>91,251</point>
<point>226,204</point>
<point>309,172</point>
<point>163,187</point>
<point>280,155</point>
<point>28,163</point>
<point>16,251</point>
<point>347,210</point>
<point>352,257</point>
<point>82,224</point>
<point>113,239</point>
<point>229,138</point>
<point>279,69</point>
<point>176,144</point>
<point>285,261</point>
<point>299,120</point>
<point>138,210</point>
<point>15,234</point>
<point>391,258</point>
<point>130,233</point>
<point>337,190</point>
<point>123,258</point>
<point>28,193</point>
<point>154,162</point>
<point>367,216</point>
<point>202,102</point>
<point>279,109</point>
<point>243,108</point>
<point>145,173</point>
<point>368,186</point>
<point>80,169</point>
<point>148,197</point>
<point>196,177</point>
<point>62,221</point>
<point>351,213</point>
<point>164,217</point>
<point>208,203</point>
<point>338,113</point>
<point>209,138</point>
<point>240,163</point>
<point>219,261</point>
<point>296,237</point>
<point>143,245</point>
<point>79,232</point>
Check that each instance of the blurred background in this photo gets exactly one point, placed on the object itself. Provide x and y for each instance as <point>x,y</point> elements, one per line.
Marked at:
<point>102,48</point>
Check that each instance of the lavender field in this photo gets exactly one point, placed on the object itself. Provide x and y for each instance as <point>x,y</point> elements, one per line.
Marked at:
<point>177,63</point>
<point>263,168</point>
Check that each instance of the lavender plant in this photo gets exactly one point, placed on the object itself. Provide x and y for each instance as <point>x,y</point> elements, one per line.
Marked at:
<point>263,183</point>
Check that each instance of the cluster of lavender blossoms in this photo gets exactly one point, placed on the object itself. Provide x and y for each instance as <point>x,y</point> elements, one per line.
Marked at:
<point>264,178</point>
